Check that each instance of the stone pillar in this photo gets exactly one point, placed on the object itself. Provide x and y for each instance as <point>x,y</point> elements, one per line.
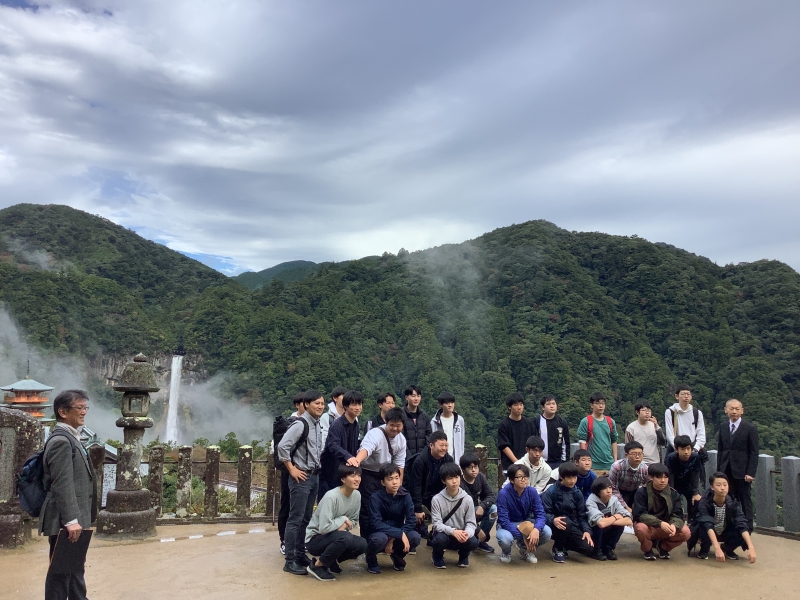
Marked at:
<point>97,456</point>
<point>573,448</point>
<point>481,451</point>
<point>711,466</point>
<point>620,451</point>
<point>183,495</point>
<point>155,478</point>
<point>766,504</point>
<point>128,509</point>
<point>211,499</point>
<point>790,474</point>
<point>244,481</point>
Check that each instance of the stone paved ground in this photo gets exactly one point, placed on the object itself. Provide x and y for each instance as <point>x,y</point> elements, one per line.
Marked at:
<point>247,566</point>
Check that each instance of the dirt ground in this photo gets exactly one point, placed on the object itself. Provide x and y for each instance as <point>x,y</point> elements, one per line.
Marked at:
<point>247,565</point>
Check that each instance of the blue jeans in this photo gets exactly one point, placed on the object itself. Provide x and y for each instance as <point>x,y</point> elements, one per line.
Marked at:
<point>506,538</point>
<point>606,539</point>
<point>302,495</point>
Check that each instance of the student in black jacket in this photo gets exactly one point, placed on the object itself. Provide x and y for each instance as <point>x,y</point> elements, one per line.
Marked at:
<point>565,510</point>
<point>554,430</point>
<point>738,455</point>
<point>422,477</point>
<point>483,498</point>
<point>417,426</point>
<point>386,402</point>
<point>341,445</point>
<point>721,523</point>
<point>686,473</point>
<point>514,431</point>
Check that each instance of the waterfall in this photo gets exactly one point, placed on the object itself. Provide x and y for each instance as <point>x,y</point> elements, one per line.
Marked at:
<point>174,393</point>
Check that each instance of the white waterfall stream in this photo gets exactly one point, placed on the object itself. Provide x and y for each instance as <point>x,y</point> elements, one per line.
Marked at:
<point>174,393</point>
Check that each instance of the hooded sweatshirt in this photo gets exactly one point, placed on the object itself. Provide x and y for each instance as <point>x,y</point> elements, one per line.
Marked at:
<point>540,475</point>
<point>456,448</point>
<point>463,518</point>
<point>684,425</point>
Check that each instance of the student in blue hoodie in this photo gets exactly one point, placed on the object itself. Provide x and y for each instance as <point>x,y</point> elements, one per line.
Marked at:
<point>393,521</point>
<point>565,509</point>
<point>519,504</point>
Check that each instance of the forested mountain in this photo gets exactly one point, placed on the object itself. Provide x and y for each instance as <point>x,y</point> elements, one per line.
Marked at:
<point>529,307</point>
<point>288,272</point>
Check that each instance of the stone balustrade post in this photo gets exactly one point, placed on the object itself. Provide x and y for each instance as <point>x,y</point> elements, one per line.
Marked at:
<point>155,478</point>
<point>183,496</point>
<point>211,499</point>
<point>97,456</point>
<point>573,448</point>
<point>790,475</point>
<point>244,481</point>
<point>482,452</point>
<point>711,465</point>
<point>766,504</point>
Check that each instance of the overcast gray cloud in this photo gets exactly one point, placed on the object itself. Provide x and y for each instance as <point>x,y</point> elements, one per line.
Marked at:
<point>250,133</point>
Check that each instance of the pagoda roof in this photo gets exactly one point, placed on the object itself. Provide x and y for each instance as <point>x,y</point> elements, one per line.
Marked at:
<point>26,385</point>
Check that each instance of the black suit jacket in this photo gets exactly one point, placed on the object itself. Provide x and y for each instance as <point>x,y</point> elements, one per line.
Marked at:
<point>738,455</point>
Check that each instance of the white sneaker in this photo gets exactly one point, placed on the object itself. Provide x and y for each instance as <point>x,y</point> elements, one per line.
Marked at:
<point>505,558</point>
<point>531,558</point>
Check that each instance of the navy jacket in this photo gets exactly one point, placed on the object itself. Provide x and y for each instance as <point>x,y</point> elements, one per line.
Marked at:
<point>392,515</point>
<point>341,445</point>
<point>685,477</point>
<point>560,501</point>
<point>734,515</point>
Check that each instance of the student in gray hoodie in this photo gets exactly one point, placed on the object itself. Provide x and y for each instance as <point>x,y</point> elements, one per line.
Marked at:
<point>607,518</point>
<point>453,519</point>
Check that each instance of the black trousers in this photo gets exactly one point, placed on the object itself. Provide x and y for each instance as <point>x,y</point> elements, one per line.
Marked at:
<point>731,538</point>
<point>61,587</point>
<point>370,483</point>
<point>691,507</point>
<point>441,542</point>
<point>336,546</point>
<point>741,490</point>
<point>570,538</point>
<point>628,496</point>
<point>283,514</point>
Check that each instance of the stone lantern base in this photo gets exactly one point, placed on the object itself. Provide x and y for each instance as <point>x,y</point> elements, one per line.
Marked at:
<point>127,512</point>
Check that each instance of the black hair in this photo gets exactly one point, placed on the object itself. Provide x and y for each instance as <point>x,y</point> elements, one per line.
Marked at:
<point>546,398</point>
<point>352,397</point>
<point>411,389</point>
<point>682,441</point>
<point>470,458</point>
<point>596,397</point>
<point>298,398</point>
<point>682,388</point>
<point>338,391</point>
<point>345,470</point>
<point>448,470</point>
<point>381,398</point>
<point>633,445</point>
<point>514,398</point>
<point>640,405</point>
<point>65,399</point>
<point>388,469</point>
<point>445,397</point>
<point>534,442</point>
<point>717,475</point>
<point>567,469</point>
<point>512,471</point>
<point>580,454</point>
<point>657,470</point>
<point>599,484</point>
<point>394,414</point>
<point>310,395</point>
<point>437,436</point>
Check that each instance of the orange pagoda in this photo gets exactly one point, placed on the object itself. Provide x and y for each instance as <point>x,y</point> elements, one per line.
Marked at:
<point>29,396</point>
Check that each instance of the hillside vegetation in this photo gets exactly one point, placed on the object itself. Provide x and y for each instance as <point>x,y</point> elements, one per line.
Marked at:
<point>529,307</point>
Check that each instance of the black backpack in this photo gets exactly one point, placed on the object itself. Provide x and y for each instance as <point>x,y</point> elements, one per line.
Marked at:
<point>30,483</point>
<point>279,429</point>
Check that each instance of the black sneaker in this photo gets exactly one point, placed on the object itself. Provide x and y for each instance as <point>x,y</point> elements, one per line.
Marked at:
<point>611,555</point>
<point>463,562</point>
<point>730,554</point>
<point>374,569</point>
<point>303,560</point>
<point>398,562</point>
<point>335,568</point>
<point>597,555</point>
<point>559,557</point>
<point>663,554</point>
<point>294,568</point>
<point>649,555</point>
<point>484,547</point>
<point>702,555</point>
<point>321,573</point>
<point>438,563</point>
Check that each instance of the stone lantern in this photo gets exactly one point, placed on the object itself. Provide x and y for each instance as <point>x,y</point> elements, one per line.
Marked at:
<point>128,509</point>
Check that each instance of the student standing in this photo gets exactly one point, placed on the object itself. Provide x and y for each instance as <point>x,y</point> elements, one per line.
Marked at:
<point>738,456</point>
<point>417,425</point>
<point>539,470</point>
<point>684,419</point>
<point>283,513</point>
<point>300,450</point>
<point>342,443</point>
<point>384,444</point>
<point>483,498</point>
<point>721,523</point>
<point>565,509</point>
<point>328,534</point>
<point>335,410</point>
<point>514,431</point>
<point>646,430</point>
<point>452,519</point>
<point>685,473</point>
<point>598,434</point>
<point>448,420</point>
<point>658,515</point>
<point>520,516</point>
<point>422,477</point>
<point>392,517</point>
<point>385,402</point>
<point>629,474</point>
<point>607,518</point>
<point>554,430</point>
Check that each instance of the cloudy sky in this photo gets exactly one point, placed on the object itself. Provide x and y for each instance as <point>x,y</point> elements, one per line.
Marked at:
<point>250,133</point>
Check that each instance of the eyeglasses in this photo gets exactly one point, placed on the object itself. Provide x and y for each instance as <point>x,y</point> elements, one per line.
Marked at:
<point>521,477</point>
<point>635,455</point>
<point>83,409</point>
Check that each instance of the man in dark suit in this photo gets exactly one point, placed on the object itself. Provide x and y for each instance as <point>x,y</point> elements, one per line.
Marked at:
<point>738,455</point>
<point>69,479</point>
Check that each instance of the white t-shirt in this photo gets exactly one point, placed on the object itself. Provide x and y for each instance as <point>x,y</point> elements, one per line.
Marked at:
<point>447,427</point>
<point>378,451</point>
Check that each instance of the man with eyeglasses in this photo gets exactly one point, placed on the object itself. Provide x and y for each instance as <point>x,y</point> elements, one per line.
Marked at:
<point>69,480</point>
<point>629,474</point>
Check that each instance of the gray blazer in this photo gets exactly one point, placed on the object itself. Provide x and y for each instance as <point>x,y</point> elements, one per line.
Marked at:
<point>70,483</point>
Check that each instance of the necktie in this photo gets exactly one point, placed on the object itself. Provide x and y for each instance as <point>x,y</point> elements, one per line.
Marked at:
<point>733,428</point>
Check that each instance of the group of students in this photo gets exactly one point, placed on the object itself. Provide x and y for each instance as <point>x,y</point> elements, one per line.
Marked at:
<point>409,470</point>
